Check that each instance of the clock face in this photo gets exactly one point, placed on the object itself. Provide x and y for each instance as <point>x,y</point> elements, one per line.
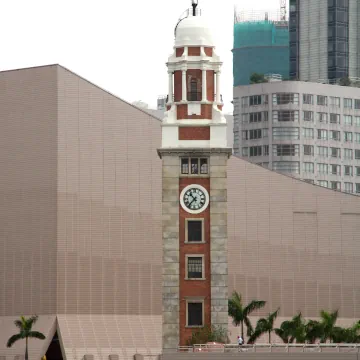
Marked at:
<point>194,199</point>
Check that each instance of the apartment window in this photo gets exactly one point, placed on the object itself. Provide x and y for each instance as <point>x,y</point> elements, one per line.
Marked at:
<point>323,151</point>
<point>334,135</point>
<point>357,120</point>
<point>357,170</point>
<point>334,118</point>
<point>195,313</point>
<point>285,98</point>
<point>266,115</point>
<point>266,150</point>
<point>255,117</point>
<point>357,154</point>
<point>285,115</point>
<point>357,104</point>
<point>348,136</point>
<point>194,230</point>
<point>334,101</point>
<point>285,150</point>
<point>348,154</point>
<point>321,117</point>
<point>308,150</point>
<point>308,99</point>
<point>255,100</point>
<point>335,185</point>
<point>357,188</point>
<point>195,267</point>
<point>347,103</point>
<point>265,133</point>
<point>348,187</point>
<point>194,165</point>
<point>286,166</point>
<point>245,135</point>
<point>245,151</point>
<point>308,116</point>
<point>255,151</point>
<point>322,100</point>
<point>347,119</point>
<point>348,170</point>
<point>335,152</point>
<point>245,101</point>
<point>285,133</point>
<point>322,134</point>
<point>334,169</point>
<point>308,167</point>
<point>322,168</point>
<point>310,181</point>
<point>308,133</point>
<point>255,134</point>
<point>323,183</point>
<point>357,137</point>
<point>245,118</point>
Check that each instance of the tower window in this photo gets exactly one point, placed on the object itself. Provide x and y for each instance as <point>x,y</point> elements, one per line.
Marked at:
<point>194,166</point>
<point>194,267</point>
<point>194,230</point>
<point>195,313</point>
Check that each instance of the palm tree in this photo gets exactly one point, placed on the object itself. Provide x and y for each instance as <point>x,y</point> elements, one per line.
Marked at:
<point>240,314</point>
<point>25,332</point>
<point>264,325</point>
<point>313,331</point>
<point>291,330</point>
<point>328,321</point>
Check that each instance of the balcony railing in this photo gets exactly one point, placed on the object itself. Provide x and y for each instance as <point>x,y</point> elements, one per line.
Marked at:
<point>194,96</point>
<point>268,348</point>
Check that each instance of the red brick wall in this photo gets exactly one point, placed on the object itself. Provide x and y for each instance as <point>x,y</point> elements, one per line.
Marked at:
<point>179,52</point>
<point>201,288</point>
<point>208,51</point>
<point>194,51</point>
<point>177,85</point>
<point>194,133</point>
<point>210,84</point>
<point>182,112</point>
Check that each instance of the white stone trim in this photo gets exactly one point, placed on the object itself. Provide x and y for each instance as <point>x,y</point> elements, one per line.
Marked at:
<point>194,186</point>
<point>187,220</point>
<point>202,256</point>
<point>195,300</point>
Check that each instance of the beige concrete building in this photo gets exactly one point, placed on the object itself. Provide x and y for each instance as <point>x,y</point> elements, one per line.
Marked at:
<point>80,224</point>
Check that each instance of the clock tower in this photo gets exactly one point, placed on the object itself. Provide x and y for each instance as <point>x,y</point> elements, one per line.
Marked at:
<point>194,153</point>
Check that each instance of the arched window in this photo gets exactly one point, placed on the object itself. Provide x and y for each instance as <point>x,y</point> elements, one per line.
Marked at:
<point>194,94</point>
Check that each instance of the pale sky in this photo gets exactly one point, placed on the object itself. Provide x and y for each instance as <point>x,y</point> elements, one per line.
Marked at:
<point>120,45</point>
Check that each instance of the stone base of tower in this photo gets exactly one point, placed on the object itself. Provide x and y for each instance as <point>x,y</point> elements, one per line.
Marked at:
<point>218,239</point>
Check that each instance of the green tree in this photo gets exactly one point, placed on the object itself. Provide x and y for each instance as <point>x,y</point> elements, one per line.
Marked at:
<point>264,325</point>
<point>313,331</point>
<point>25,332</point>
<point>240,313</point>
<point>345,81</point>
<point>347,335</point>
<point>257,78</point>
<point>292,330</point>
<point>328,321</point>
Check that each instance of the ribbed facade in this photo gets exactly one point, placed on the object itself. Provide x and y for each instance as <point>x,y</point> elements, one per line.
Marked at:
<point>80,238</point>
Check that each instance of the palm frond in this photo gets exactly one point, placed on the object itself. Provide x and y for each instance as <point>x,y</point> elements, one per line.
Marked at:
<point>18,324</point>
<point>32,320</point>
<point>36,335</point>
<point>252,306</point>
<point>254,336</point>
<point>13,339</point>
<point>249,327</point>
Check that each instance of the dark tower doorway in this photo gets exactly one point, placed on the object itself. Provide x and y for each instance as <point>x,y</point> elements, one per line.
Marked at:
<point>54,350</point>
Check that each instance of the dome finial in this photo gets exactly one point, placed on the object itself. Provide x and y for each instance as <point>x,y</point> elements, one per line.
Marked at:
<point>194,6</point>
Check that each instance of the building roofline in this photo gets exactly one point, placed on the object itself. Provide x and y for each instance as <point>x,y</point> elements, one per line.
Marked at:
<point>292,177</point>
<point>88,81</point>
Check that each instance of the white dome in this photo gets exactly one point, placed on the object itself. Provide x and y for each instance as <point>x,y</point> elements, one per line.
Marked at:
<point>193,31</point>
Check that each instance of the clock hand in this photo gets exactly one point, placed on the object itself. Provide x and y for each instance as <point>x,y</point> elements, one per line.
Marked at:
<point>194,198</point>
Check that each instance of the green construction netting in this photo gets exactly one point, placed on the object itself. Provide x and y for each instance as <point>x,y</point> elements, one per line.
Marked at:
<point>261,47</point>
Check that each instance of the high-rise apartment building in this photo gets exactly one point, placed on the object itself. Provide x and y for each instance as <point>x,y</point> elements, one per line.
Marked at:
<point>323,40</point>
<point>308,130</point>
